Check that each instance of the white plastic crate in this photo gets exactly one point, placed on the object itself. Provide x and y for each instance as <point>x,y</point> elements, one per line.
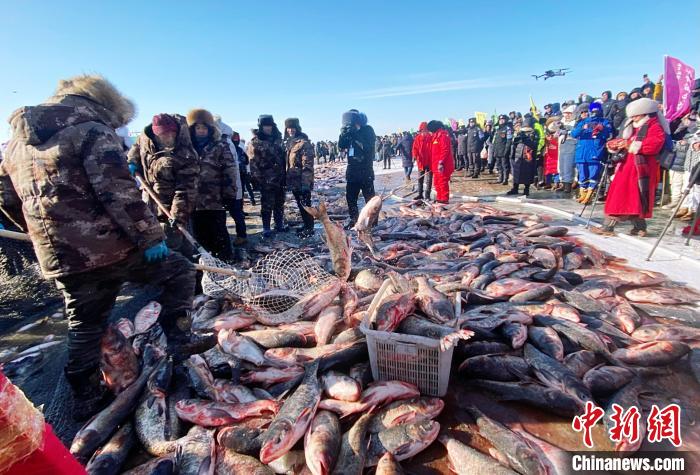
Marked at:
<point>409,358</point>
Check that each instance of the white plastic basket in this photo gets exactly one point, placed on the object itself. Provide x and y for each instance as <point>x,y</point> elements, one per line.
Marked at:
<point>409,358</point>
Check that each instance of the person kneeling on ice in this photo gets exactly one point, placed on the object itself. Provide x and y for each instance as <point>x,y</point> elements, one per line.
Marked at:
<point>631,194</point>
<point>65,180</point>
<point>441,161</point>
<point>523,158</point>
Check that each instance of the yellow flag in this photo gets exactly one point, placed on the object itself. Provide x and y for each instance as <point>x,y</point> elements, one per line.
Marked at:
<point>480,118</point>
<point>533,109</point>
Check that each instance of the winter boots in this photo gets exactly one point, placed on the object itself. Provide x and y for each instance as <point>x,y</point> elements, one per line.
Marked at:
<point>514,190</point>
<point>639,227</point>
<point>607,229</point>
<point>89,395</point>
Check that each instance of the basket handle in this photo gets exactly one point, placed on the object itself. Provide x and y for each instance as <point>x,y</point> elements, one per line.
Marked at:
<point>375,301</point>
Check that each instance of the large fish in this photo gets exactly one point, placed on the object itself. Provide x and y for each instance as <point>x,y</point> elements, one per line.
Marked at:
<point>403,441</point>
<point>118,362</point>
<point>165,465</point>
<point>368,215</point>
<point>555,374</point>
<point>580,335</point>
<point>516,449</point>
<point>240,439</point>
<point>241,347</point>
<point>495,367</point>
<point>340,386</point>
<point>449,337</point>
<point>196,453</point>
<point>290,424</point>
<point>325,324</point>
<point>109,459</point>
<point>146,317</point>
<point>275,338</point>
<point>433,304</point>
<point>550,399</point>
<point>213,414</point>
<point>338,242</point>
<point>268,376</point>
<point>580,362</point>
<point>393,310</point>
<point>653,353</point>
<point>464,460</point>
<point>662,295</point>
<point>384,392</point>
<point>547,341</point>
<point>200,377</point>
<point>228,461</point>
<point>655,331</point>
<point>607,379</point>
<point>388,465</point>
<point>98,429</point>
<point>322,443</point>
<point>353,449</point>
<point>406,412</point>
<point>156,422</point>
<point>627,397</point>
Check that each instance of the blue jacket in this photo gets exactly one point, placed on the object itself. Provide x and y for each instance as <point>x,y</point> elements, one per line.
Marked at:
<point>591,149</point>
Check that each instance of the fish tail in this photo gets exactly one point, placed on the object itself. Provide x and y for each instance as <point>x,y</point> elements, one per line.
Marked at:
<point>315,212</point>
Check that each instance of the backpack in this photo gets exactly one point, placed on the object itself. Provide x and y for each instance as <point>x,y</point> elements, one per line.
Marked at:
<point>666,155</point>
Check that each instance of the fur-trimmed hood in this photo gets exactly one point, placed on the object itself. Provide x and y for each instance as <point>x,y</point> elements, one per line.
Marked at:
<point>96,88</point>
<point>203,116</point>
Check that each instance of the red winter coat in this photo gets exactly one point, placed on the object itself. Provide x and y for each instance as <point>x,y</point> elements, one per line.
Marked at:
<point>441,153</point>
<point>421,149</point>
<point>551,156</point>
<point>624,196</point>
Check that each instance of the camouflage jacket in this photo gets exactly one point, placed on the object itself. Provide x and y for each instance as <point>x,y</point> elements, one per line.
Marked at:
<point>64,179</point>
<point>171,173</point>
<point>300,162</point>
<point>267,160</point>
<point>218,173</point>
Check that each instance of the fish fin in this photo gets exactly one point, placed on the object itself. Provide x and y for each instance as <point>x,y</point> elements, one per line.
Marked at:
<point>313,211</point>
<point>405,417</point>
<point>403,449</point>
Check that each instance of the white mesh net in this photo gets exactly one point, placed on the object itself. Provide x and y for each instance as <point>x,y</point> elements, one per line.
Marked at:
<point>273,285</point>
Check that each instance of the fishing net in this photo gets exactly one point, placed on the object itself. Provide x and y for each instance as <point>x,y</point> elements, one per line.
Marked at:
<point>273,285</point>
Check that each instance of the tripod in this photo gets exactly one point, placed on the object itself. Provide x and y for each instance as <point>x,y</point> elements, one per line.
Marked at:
<point>694,179</point>
<point>601,184</point>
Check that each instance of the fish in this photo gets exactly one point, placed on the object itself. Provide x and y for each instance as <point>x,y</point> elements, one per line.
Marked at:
<point>341,387</point>
<point>509,286</point>
<point>605,380</point>
<point>476,348</point>
<point>213,414</point>
<point>583,337</point>
<point>146,317</point>
<point>405,412</point>
<point>274,338</point>
<point>392,310</point>
<point>196,453</point>
<point>200,378</point>
<point>342,408</point>
<point>293,356</point>
<point>624,316</point>
<point>158,466</point>
<point>449,337</point>
<point>673,312</point>
<point>325,324</point>
<point>110,457</point>
<point>307,307</point>
<point>653,353</point>
<point>384,392</point>
<point>520,455</point>
<point>293,419</point>
<point>547,398</point>
<point>234,319</point>
<point>464,460</point>
<point>353,449</point>
<point>322,443</point>
<point>580,362</point>
<point>267,376</point>
<point>388,465</point>
<point>661,295</point>
<point>362,373</point>
<point>338,242</point>
<point>495,367</point>
<point>626,397</point>
<point>243,440</point>
<point>126,327</point>
<point>118,362</point>
<point>157,424</point>
<point>433,304</point>
<point>349,300</point>
<point>653,332</point>
<point>403,441</point>
<point>516,333</point>
<point>547,341</point>
<point>229,461</point>
<point>227,391</point>
<point>368,215</point>
<point>291,462</point>
<point>555,374</point>
<point>241,347</point>
<point>98,429</point>
<point>368,280</point>
<point>695,363</point>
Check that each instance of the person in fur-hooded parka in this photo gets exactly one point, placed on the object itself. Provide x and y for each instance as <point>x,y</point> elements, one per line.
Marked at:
<point>217,192</point>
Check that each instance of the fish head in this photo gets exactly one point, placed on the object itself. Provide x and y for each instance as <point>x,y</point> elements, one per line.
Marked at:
<point>278,441</point>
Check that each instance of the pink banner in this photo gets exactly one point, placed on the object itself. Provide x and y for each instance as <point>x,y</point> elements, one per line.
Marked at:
<point>679,79</point>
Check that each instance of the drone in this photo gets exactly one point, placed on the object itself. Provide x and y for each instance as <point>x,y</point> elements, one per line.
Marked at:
<point>552,72</point>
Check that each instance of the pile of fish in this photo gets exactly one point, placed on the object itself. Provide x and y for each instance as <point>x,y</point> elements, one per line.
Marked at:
<point>535,315</point>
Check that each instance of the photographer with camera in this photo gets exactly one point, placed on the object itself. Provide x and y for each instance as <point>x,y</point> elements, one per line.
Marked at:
<point>592,133</point>
<point>358,139</point>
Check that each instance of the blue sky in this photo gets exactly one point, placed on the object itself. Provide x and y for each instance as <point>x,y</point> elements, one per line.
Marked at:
<point>399,62</point>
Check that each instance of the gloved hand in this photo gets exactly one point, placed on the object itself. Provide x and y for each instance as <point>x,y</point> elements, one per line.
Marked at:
<point>1,226</point>
<point>133,168</point>
<point>156,253</point>
<point>597,129</point>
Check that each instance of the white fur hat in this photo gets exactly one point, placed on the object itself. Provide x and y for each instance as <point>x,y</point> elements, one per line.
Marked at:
<point>642,106</point>
<point>571,109</point>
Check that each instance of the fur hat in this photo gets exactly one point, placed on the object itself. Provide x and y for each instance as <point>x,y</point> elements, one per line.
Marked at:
<point>570,109</point>
<point>435,125</point>
<point>351,117</point>
<point>200,116</point>
<point>551,120</point>
<point>266,119</point>
<point>100,90</point>
<point>292,123</point>
<point>595,105</point>
<point>641,107</point>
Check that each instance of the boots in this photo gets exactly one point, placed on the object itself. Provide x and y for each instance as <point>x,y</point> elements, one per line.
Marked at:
<point>688,216</point>
<point>567,188</point>
<point>681,212</point>
<point>581,195</point>
<point>587,196</point>
<point>279,221</point>
<point>639,227</point>
<point>89,395</point>
<point>607,229</point>
<point>514,190</point>
<point>527,190</point>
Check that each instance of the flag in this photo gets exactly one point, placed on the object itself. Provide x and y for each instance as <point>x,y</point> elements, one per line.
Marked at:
<point>453,125</point>
<point>678,89</point>
<point>533,109</point>
<point>480,118</point>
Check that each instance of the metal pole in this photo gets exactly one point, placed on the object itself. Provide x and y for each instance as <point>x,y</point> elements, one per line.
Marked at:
<point>692,226</point>
<point>601,183</point>
<point>686,192</point>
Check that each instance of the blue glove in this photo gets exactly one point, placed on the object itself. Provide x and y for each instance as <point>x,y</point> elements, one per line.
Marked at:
<point>133,168</point>
<point>156,253</point>
<point>1,226</point>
